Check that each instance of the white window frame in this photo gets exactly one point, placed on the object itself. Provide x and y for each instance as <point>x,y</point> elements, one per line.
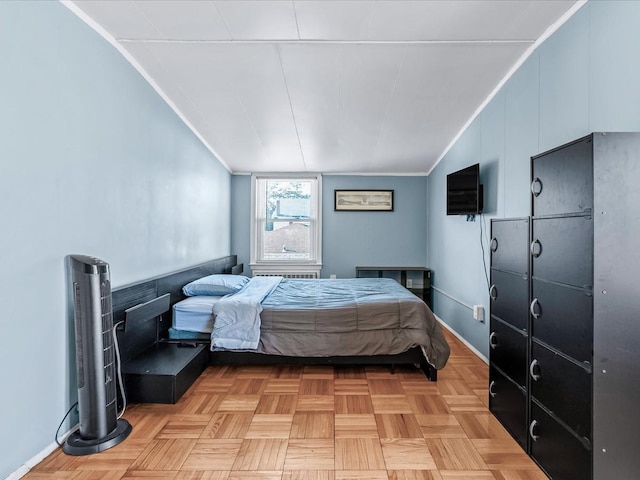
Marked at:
<point>276,267</point>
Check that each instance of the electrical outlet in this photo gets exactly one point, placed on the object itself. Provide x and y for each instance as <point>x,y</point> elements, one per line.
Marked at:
<point>478,313</point>
<point>409,283</point>
<point>332,276</point>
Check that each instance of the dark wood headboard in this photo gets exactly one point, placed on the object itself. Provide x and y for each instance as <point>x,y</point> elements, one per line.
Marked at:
<point>171,283</point>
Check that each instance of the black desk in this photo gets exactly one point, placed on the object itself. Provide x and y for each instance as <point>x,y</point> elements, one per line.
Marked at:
<point>424,293</point>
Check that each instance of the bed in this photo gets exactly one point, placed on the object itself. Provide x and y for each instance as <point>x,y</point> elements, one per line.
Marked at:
<point>320,321</point>
<point>425,347</point>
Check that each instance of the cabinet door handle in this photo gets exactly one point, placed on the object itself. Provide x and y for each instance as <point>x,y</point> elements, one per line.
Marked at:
<point>534,376</point>
<point>493,292</point>
<point>536,187</point>
<point>536,248</point>
<point>493,245</point>
<point>532,308</point>
<point>533,436</point>
<point>491,338</point>
<point>491,392</point>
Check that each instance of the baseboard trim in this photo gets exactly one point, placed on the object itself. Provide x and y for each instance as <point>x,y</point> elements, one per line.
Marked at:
<point>38,457</point>
<point>459,337</point>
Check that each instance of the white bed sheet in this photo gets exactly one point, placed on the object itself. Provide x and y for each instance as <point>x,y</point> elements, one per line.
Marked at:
<point>195,314</point>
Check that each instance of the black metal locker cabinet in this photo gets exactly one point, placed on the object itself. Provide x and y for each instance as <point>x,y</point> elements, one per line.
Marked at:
<point>562,454</point>
<point>509,324</point>
<point>584,371</point>
<point>508,402</point>
<point>561,252</point>
<point>581,328</point>
<point>560,317</point>
<point>562,179</point>
<point>509,297</point>
<point>616,307</point>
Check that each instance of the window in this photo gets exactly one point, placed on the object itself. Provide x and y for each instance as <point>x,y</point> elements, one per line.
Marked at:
<point>286,226</point>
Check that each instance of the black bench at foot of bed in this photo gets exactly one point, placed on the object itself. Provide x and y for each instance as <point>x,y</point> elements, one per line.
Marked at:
<point>412,357</point>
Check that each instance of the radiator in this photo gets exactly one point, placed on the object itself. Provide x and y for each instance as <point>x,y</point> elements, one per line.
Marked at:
<point>288,274</point>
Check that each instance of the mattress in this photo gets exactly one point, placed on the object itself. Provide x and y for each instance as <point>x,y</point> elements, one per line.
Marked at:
<point>194,314</point>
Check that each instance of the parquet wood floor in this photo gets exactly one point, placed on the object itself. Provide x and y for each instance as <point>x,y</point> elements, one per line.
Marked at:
<point>314,423</point>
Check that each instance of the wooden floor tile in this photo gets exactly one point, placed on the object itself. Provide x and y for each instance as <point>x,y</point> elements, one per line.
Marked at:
<point>407,453</point>
<point>355,426</point>
<point>398,425</point>
<point>361,475</point>
<point>455,454</point>
<point>358,454</point>
<point>242,475</point>
<point>261,454</point>
<point>316,386</point>
<point>194,404</point>
<point>519,475</point>
<point>356,404</point>
<point>282,385</point>
<point>163,455</point>
<point>239,403</point>
<point>315,403</point>
<point>145,425</point>
<point>481,425</point>
<point>358,386</point>
<point>454,387</point>
<point>277,404</point>
<point>414,475</point>
<point>419,387</point>
<point>247,386</point>
<point>308,475</point>
<point>503,454</point>
<point>313,425</point>
<point>213,454</point>
<point>310,454</point>
<point>179,475</point>
<point>464,403</point>
<point>385,386</point>
<point>184,426</point>
<point>467,475</point>
<point>433,404</point>
<point>391,404</point>
<point>440,426</point>
<point>65,475</point>
<point>227,425</point>
<point>270,426</point>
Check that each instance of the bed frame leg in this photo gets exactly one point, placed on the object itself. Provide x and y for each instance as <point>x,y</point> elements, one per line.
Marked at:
<point>430,372</point>
<point>393,368</point>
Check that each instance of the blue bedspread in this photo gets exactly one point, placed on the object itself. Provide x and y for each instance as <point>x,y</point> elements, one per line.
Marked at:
<point>321,317</point>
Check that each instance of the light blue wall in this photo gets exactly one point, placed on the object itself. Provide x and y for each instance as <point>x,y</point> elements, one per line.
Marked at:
<point>584,78</point>
<point>241,219</point>
<point>353,238</point>
<point>397,238</point>
<point>92,161</point>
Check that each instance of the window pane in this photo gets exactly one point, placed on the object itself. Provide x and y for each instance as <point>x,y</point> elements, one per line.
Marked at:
<point>287,240</point>
<point>285,237</point>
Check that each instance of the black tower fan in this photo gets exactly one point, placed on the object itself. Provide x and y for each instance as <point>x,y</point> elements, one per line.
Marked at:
<point>100,427</point>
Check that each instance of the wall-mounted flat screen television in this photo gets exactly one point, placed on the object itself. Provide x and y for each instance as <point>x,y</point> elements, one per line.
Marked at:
<point>464,192</point>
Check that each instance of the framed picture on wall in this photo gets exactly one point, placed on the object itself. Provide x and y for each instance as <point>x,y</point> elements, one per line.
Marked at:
<point>363,200</point>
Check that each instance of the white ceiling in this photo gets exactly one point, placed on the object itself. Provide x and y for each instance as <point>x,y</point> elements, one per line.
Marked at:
<point>332,86</point>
